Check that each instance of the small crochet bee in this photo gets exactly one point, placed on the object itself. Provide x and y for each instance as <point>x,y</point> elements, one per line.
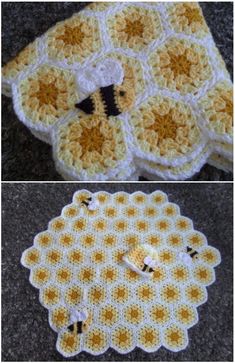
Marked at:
<point>91,204</point>
<point>80,322</point>
<point>111,100</point>
<point>142,259</point>
<point>188,256</point>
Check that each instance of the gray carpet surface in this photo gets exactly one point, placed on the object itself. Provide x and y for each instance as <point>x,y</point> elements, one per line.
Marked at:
<point>23,156</point>
<point>26,210</point>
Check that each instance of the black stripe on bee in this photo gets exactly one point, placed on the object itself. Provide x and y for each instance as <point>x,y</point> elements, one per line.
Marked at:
<point>108,97</point>
<point>79,327</point>
<point>192,253</point>
<point>85,202</point>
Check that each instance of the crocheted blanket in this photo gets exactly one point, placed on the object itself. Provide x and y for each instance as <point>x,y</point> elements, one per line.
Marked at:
<point>121,90</point>
<point>121,270</point>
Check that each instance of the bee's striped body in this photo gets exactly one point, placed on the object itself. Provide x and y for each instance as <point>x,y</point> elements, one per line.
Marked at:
<point>111,100</point>
<point>191,252</point>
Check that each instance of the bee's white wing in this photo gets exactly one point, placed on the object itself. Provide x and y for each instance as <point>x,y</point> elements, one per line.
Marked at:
<point>147,260</point>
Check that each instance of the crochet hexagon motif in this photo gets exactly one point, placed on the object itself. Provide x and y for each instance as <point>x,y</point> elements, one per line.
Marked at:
<point>172,113</point>
<point>96,300</point>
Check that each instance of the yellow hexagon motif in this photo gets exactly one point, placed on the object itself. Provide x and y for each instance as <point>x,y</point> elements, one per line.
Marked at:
<point>59,317</point>
<point>80,196</point>
<point>109,240</point>
<point>96,340</point>
<point>134,27</point>
<point>210,256</point>
<point>142,225</point>
<point>186,315</point>
<point>149,338</point>
<point>50,296</point>
<point>73,40</point>
<point>86,275</point>
<point>163,225</point>
<point>68,343</point>
<point>145,293</point>
<point>53,257</point>
<point>160,314</point>
<point>44,239</point>
<point>120,293</point>
<point>175,338</point>
<point>150,212</point>
<point>167,257</point>
<point>79,225</point>
<point>120,225</point>
<point>40,276</point>
<point>90,145</point>
<point>180,65</point>
<point>74,295</point>
<point>170,210</point>
<point>175,240</point>
<point>66,240</point>
<point>195,294</point>
<point>183,224</point>
<point>57,224</point>
<point>165,129</point>
<point>63,275</point>
<point>110,212</point>
<point>154,239</point>
<point>96,294</point>
<point>158,198</point>
<point>204,275</point>
<point>131,239</point>
<point>71,211</point>
<point>170,293</point>
<point>47,95</point>
<point>75,256</point>
<point>159,274</point>
<point>109,274</point>
<point>217,107</point>
<point>180,273</point>
<point>31,257</point>
<point>121,198</point>
<point>188,18</point>
<point>134,314</point>
<point>196,239</point>
<point>108,315</point>
<point>122,338</point>
<point>98,257</point>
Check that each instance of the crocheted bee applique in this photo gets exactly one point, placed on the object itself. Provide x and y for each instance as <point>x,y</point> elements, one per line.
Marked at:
<point>113,99</point>
<point>81,322</point>
<point>188,256</point>
<point>142,259</point>
<point>90,203</point>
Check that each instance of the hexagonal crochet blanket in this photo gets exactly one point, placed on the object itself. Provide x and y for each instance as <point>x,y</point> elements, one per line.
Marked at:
<point>95,299</point>
<point>121,90</point>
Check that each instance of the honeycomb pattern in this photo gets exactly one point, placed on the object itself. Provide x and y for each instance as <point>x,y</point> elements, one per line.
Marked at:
<point>177,109</point>
<point>77,263</point>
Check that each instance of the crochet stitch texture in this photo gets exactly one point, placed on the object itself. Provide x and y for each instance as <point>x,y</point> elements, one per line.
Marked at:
<point>176,104</point>
<point>77,265</point>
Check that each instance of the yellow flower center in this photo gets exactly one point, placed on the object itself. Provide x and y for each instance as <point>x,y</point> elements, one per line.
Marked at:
<point>47,94</point>
<point>193,15</point>
<point>164,126</point>
<point>72,36</point>
<point>133,28</point>
<point>179,64</point>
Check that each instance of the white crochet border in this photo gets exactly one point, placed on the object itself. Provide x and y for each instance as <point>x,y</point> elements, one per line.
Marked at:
<point>83,303</point>
<point>49,134</point>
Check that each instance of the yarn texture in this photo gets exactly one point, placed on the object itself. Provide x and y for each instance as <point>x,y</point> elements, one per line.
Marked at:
<point>122,90</point>
<point>94,299</point>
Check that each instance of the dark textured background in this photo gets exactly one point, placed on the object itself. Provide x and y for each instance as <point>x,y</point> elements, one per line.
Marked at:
<point>23,156</point>
<point>27,208</point>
